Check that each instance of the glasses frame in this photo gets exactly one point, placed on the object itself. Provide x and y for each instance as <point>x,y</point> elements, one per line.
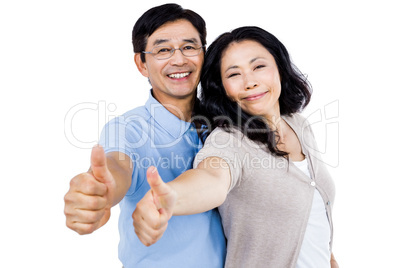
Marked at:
<point>172,51</point>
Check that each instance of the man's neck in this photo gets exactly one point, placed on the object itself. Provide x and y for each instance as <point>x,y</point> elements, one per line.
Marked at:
<point>180,107</point>
<point>183,110</point>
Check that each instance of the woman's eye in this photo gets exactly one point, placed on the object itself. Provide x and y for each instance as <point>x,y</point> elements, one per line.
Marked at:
<point>233,75</point>
<point>260,66</point>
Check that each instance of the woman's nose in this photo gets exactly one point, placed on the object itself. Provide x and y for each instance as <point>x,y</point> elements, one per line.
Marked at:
<point>250,81</point>
<point>251,84</point>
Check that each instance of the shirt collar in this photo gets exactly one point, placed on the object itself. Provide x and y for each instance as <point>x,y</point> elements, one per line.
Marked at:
<point>168,121</point>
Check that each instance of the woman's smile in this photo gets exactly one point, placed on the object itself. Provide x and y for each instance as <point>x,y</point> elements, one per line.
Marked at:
<point>255,96</point>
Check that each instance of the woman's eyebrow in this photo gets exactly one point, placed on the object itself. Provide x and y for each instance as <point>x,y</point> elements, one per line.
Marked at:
<point>236,66</point>
<point>231,67</point>
<point>256,58</point>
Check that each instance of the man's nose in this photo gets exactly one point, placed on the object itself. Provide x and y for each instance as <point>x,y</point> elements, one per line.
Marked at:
<point>178,58</point>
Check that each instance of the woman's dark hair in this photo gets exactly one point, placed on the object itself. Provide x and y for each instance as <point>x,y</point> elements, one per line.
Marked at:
<point>155,17</point>
<point>222,112</point>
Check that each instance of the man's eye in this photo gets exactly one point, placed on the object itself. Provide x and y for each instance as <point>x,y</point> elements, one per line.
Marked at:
<point>189,47</point>
<point>163,50</point>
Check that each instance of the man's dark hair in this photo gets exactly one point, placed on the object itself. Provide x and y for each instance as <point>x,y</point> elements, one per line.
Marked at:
<point>157,16</point>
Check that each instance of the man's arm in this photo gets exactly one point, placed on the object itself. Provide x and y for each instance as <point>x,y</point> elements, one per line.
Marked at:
<point>93,193</point>
<point>195,191</point>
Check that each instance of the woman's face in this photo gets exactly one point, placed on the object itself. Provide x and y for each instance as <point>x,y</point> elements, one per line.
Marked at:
<point>251,78</point>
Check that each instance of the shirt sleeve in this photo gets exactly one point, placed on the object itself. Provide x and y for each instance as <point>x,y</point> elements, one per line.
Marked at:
<point>113,136</point>
<point>125,135</point>
<point>228,146</point>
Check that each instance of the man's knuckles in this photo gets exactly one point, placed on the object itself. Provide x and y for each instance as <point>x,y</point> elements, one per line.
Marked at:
<point>95,203</point>
<point>93,217</point>
<point>87,184</point>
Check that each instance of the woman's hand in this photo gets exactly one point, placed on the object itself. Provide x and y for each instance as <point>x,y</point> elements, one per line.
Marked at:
<point>334,264</point>
<point>153,211</point>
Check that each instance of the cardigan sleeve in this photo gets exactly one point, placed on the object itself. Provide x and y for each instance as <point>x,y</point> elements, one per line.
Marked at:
<point>229,147</point>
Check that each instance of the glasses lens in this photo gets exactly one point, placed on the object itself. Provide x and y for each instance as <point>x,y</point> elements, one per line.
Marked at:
<point>165,52</point>
<point>162,52</point>
<point>190,50</point>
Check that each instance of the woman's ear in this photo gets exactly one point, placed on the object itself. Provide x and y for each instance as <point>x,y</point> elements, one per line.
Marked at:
<point>141,66</point>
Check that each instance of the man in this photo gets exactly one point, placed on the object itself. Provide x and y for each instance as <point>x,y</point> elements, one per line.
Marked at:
<point>169,50</point>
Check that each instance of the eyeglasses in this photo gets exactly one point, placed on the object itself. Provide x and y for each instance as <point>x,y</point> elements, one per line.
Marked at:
<point>165,52</point>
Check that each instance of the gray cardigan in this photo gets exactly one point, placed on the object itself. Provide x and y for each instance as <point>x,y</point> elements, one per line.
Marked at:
<point>268,205</point>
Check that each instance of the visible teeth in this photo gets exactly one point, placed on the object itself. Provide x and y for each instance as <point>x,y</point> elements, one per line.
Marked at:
<point>180,75</point>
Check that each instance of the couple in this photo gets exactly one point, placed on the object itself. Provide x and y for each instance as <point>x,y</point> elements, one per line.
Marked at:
<point>258,164</point>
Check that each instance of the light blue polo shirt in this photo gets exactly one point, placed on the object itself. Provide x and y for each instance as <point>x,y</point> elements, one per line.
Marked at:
<point>151,135</point>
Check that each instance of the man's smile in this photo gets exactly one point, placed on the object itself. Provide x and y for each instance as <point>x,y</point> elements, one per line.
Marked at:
<point>179,75</point>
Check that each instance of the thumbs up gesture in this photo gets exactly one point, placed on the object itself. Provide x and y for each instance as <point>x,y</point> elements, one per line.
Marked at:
<point>89,199</point>
<point>153,211</point>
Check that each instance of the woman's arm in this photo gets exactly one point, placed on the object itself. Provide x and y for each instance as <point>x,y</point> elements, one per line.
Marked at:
<point>195,191</point>
<point>334,264</point>
<point>201,189</point>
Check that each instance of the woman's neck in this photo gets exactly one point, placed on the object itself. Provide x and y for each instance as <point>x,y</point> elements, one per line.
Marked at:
<point>277,124</point>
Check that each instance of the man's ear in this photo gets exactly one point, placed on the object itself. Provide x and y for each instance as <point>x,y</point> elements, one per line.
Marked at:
<point>141,66</point>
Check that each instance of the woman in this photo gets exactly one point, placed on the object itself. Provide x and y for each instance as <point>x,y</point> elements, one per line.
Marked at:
<point>259,164</point>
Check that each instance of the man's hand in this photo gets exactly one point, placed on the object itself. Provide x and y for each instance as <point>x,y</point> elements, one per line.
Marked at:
<point>153,211</point>
<point>89,199</point>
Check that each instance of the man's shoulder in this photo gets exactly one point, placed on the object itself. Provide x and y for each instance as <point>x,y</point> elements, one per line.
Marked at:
<point>135,116</point>
<point>140,111</point>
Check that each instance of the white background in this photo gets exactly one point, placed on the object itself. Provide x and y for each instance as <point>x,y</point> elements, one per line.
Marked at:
<point>55,55</point>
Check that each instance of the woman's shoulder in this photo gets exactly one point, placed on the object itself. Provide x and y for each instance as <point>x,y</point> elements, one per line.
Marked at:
<point>299,123</point>
<point>231,137</point>
<point>225,134</point>
<point>226,131</point>
<point>296,119</point>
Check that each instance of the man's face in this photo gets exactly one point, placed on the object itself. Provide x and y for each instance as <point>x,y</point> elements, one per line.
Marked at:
<point>178,76</point>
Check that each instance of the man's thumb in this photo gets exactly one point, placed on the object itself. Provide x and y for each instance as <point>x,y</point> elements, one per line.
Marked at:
<point>98,164</point>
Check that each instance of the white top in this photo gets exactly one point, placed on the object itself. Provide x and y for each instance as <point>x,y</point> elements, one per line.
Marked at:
<point>315,250</point>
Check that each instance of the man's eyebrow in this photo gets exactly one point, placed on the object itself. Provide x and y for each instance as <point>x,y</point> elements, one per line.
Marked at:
<point>186,40</point>
<point>191,40</point>
<point>160,41</point>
